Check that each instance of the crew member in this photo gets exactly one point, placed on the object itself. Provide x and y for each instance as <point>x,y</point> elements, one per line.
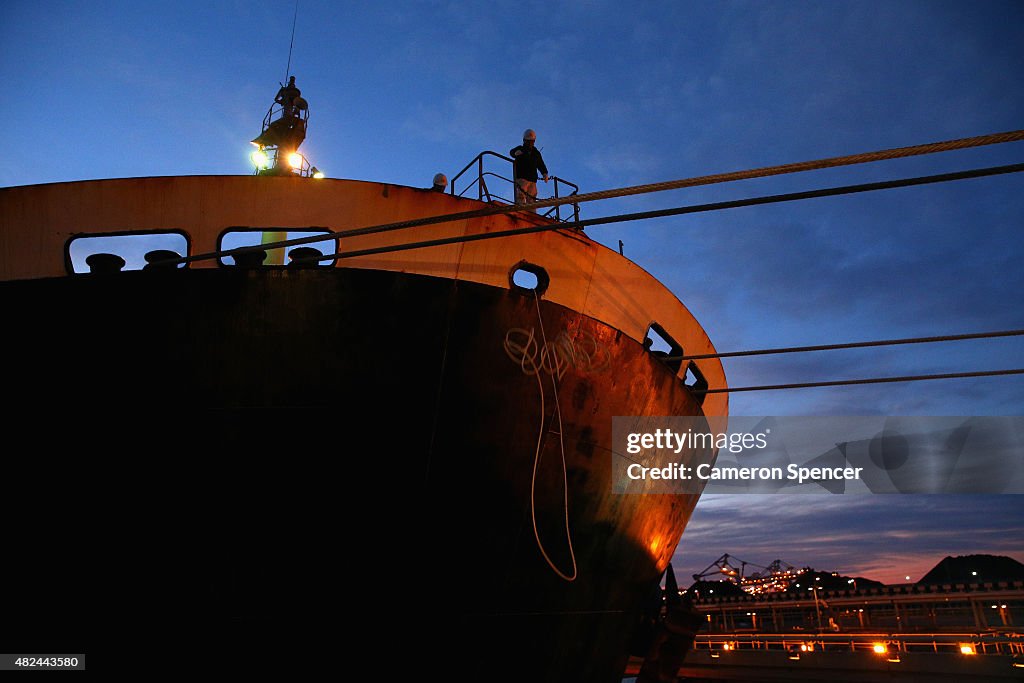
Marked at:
<point>526,162</point>
<point>286,97</point>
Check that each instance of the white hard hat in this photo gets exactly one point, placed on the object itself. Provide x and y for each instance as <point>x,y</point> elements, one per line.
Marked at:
<point>441,179</point>
<point>528,134</point>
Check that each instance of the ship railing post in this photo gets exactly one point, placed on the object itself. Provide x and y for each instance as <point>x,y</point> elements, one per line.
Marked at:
<point>480,177</point>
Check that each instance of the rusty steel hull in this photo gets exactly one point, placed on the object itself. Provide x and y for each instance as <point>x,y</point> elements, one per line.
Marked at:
<point>296,454</point>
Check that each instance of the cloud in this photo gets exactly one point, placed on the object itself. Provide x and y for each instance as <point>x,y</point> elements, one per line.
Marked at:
<point>480,112</point>
<point>620,162</point>
<point>881,537</point>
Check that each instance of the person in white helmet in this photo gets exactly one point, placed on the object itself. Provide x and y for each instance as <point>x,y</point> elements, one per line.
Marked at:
<point>526,162</point>
<point>440,182</point>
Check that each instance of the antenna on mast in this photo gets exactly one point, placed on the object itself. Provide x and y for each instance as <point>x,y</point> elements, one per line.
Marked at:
<point>288,69</point>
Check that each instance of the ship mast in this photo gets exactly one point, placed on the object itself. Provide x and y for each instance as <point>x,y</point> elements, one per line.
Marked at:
<point>277,145</point>
<point>284,127</point>
<point>283,132</point>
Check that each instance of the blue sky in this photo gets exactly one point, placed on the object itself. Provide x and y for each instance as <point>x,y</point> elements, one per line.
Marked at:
<point>618,96</point>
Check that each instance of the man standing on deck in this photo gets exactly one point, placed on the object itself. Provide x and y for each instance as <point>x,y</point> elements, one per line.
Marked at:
<point>526,161</point>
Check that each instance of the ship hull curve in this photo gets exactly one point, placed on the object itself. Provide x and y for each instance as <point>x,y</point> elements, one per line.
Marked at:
<point>312,452</point>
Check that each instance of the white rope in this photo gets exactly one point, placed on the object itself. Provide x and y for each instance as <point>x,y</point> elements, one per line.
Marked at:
<point>551,362</point>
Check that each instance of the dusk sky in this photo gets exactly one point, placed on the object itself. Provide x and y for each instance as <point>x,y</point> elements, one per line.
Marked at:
<point>622,95</point>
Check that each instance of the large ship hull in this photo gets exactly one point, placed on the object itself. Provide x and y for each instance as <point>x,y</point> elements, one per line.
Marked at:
<point>404,445</point>
<point>310,451</point>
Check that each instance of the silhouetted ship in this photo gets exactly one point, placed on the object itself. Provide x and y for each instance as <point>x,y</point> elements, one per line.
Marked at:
<point>371,444</point>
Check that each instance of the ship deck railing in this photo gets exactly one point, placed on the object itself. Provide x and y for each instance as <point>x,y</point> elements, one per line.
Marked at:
<point>562,187</point>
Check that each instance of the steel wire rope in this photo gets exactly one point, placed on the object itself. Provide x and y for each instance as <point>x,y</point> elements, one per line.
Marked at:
<point>869,380</point>
<point>798,167</point>
<point>677,211</point>
<point>850,345</point>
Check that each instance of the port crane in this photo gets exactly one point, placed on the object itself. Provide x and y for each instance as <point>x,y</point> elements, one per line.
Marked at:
<point>774,577</point>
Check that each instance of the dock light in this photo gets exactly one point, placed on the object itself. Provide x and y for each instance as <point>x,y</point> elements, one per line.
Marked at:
<point>968,650</point>
<point>879,649</point>
<point>726,647</point>
<point>316,172</point>
<point>295,160</point>
<point>974,573</point>
<point>259,158</point>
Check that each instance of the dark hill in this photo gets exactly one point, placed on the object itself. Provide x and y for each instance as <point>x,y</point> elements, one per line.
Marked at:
<point>975,569</point>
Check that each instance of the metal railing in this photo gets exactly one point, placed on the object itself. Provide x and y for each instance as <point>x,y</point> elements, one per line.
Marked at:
<point>484,192</point>
<point>1006,643</point>
<point>275,164</point>
<point>276,111</point>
